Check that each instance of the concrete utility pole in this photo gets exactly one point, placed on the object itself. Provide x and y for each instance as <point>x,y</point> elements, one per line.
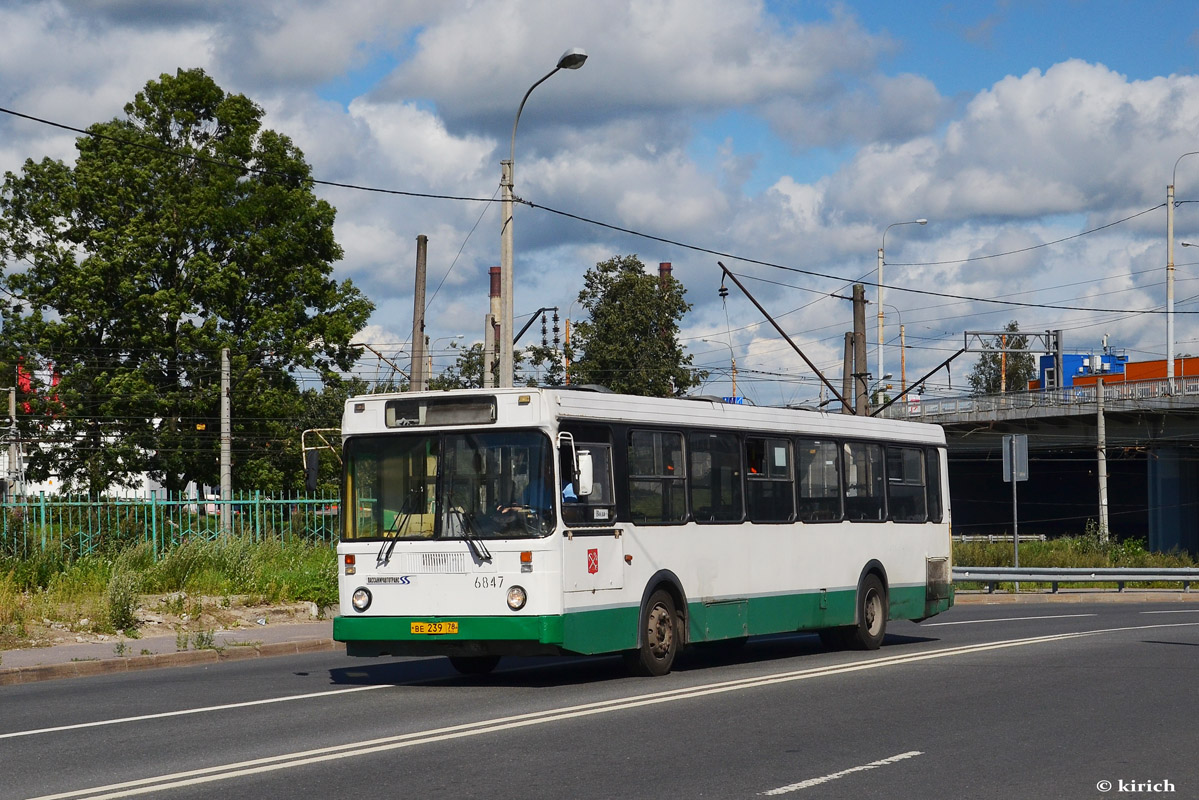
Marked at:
<point>491,326</point>
<point>226,444</point>
<point>418,380</point>
<point>847,374</point>
<point>860,368</point>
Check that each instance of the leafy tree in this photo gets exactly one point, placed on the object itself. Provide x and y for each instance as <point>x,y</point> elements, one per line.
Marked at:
<point>630,341</point>
<point>465,373</point>
<point>184,228</point>
<point>1020,367</point>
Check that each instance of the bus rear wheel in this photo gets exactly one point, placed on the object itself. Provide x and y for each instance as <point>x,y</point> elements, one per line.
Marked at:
<point>873,610</point>
<point>474,665</point>
<point>871,626</point>
<point>660,637</point>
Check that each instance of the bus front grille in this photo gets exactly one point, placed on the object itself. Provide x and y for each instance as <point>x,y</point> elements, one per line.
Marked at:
<point>432,563</point>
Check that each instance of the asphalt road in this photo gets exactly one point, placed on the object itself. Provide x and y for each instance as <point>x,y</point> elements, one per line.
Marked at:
<point>1024,701</point>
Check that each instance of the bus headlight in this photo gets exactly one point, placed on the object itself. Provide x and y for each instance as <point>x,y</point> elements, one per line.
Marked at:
<point>361,599</point>
<point>517,598</point>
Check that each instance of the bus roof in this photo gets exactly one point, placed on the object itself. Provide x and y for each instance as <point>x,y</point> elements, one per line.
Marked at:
<point>540,407</point>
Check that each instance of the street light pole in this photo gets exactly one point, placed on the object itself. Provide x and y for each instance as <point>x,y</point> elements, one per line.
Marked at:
<point>903,354</point>
<point>732,360</point>
<point>571,59</point>
<point>1170,274</point>
<point>429,354</point>
<point>881,246</point>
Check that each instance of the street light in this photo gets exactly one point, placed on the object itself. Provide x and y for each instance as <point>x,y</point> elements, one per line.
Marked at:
<point>882,245</point>
<point>732,360</point>
<point>903,352</point>
<point>1170,275</point>
<point>429,354</point>
<point>571,59</point>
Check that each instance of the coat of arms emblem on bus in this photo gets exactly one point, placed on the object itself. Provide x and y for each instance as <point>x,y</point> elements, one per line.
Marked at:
<point>593,561</point>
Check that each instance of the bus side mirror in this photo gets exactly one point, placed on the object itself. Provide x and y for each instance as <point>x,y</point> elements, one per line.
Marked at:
<point>312,466</point>
<point>586,474</point>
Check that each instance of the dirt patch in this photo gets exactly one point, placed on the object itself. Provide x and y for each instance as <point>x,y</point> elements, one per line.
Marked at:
<point>157,615</point>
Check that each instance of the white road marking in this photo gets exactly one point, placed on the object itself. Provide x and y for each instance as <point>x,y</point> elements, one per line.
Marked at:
<point>186,711</point>
<point>1178,611</point>
<point>161,783</point>
<point>882,762</point>
<point>1005,619</point>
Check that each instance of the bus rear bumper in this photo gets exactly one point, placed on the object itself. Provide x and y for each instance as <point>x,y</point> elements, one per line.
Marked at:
<point>476,636</point>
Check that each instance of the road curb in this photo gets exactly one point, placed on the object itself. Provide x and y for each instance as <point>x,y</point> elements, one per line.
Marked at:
<point>982,597</point>
<point>10,676</point>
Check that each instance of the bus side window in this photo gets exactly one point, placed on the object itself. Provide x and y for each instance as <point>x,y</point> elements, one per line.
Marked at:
<point>598,507</point>
<point>657,477</point>
<point>770,493</point>
<point>865,489</point>
<point>906,495</point>
<point>819,481</point>
<point>716,493</point>
<point>935,509</point>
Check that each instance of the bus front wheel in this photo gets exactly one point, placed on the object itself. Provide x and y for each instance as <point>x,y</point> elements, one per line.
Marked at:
<point>660,637</point>
<point>474,665</point>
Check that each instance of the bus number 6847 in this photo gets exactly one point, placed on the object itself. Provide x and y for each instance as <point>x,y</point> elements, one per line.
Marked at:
<point>493,582</point>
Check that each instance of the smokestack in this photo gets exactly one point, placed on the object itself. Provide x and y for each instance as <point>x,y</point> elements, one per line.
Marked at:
<point>663,275</point>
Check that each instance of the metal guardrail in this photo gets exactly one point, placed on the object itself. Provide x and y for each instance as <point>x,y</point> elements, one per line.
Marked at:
<point>992,538</point>
<point>1134,392</point>
<point>1058,575</point>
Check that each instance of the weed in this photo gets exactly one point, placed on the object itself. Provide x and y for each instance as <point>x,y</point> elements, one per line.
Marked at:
<point>204,640</point>
<point>120,649</point>
<point>181,637</point>
<point>121,600</point>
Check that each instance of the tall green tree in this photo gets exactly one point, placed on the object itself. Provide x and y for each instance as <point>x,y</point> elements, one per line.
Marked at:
<point>630,342</point>
<point>1019,367</point>
<point>183,228</point>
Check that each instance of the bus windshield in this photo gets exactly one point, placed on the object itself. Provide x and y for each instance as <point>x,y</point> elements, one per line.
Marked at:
<point>448,486</point>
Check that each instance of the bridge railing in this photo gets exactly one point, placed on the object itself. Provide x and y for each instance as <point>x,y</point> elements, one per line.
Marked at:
<point>1054,576</point>
<point>1114,393</point>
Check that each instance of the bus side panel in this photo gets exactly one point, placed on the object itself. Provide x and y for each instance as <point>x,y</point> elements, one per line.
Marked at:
<point>600,630</point>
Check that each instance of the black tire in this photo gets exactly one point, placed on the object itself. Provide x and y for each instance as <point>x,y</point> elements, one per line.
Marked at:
<point>660,637</point>
<point>474,665</point>
<point>873,609</point>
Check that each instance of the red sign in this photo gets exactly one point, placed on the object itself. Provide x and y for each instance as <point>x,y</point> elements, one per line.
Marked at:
<point>593,561</point>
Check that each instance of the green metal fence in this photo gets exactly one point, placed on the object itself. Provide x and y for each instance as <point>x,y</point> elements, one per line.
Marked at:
<point>83,526</point>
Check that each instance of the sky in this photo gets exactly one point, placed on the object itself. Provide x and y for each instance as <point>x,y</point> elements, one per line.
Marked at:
<point>1037,139</point>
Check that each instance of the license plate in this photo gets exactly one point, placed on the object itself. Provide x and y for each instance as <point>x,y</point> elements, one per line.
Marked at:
<point>434,628</point>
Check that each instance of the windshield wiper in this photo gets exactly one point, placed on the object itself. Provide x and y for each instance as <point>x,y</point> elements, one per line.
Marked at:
<point>471,535</point>
<point>397,528</point>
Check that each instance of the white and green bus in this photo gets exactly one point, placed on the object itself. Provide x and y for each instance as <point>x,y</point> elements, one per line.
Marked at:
<point>491,522</point>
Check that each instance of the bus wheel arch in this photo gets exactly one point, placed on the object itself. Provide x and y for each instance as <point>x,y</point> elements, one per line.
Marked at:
<point>661,626</point>
<point>872,608</point>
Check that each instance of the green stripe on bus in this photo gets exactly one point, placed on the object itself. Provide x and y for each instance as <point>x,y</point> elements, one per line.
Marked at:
<point>546,629</point>
<point>613,629</point>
